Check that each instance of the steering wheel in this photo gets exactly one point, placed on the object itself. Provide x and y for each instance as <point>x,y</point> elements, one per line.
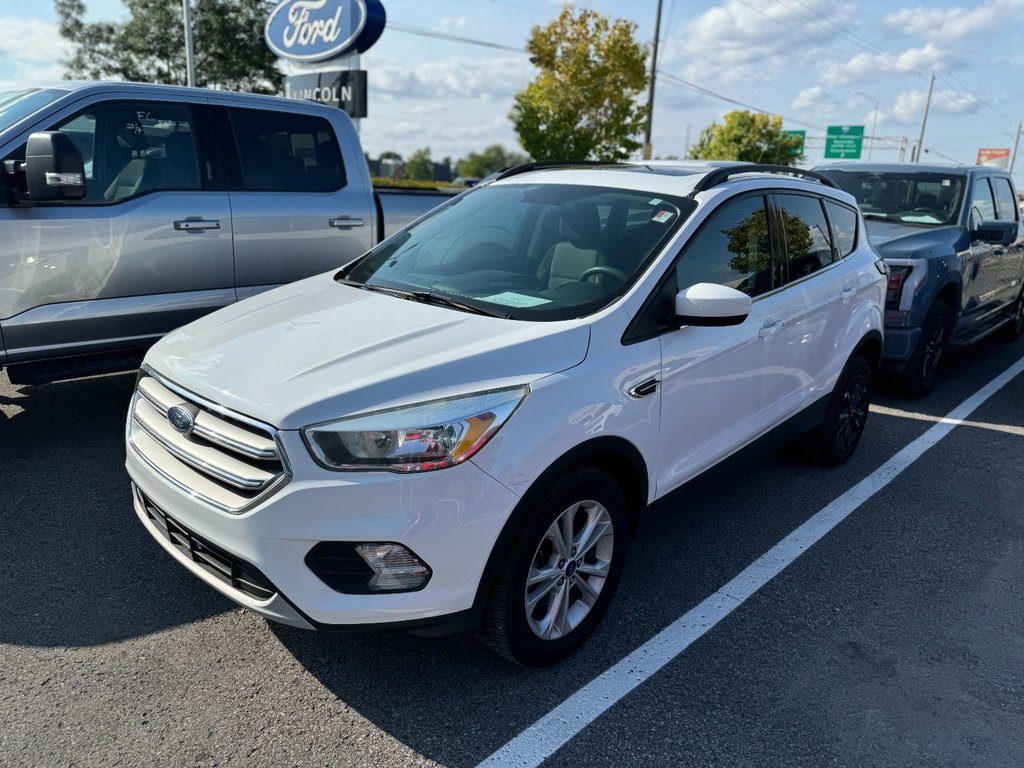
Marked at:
<point>602,269</point>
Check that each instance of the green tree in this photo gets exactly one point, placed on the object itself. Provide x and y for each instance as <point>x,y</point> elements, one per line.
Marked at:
<point>493,158</point>
<point>150,47</point>
<point>582,104</point>
<point>748,241</point>
<point>750,136</point>
<point>420,167</point>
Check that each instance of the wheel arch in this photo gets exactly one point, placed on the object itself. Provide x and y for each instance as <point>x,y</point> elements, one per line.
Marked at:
<point>616,456</point>
<point>870,348</point>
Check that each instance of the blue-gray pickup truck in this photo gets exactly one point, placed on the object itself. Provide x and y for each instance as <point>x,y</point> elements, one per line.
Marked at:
<point>952,238</point>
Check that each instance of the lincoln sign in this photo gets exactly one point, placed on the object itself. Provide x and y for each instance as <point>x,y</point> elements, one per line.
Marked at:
<point>317,30</point>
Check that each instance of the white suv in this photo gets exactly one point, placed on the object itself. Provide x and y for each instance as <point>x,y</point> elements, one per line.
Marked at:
<point>461,428</point>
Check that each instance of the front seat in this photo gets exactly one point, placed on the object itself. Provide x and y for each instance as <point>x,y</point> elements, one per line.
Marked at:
<point>580,229</point>
<point>137,176</point>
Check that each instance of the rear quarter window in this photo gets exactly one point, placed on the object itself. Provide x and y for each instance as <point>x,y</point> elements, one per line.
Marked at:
<point>844,224</point>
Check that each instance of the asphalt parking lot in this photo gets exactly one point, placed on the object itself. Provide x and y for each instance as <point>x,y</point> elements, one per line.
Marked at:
<point>898,639</point>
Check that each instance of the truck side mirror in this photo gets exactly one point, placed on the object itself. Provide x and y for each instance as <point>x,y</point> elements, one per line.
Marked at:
<point>53,168</point>
<point>709,304</point>
<point>995,232</point>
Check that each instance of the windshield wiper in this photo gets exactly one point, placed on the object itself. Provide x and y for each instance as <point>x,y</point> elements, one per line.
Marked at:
<point>428,297</point>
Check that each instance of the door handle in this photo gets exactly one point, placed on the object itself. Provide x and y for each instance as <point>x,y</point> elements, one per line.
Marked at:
<point>644,388</point>
<point>194,225</point>
<point>345,222</point>
<point>846,294</point>
<point>769,329</point>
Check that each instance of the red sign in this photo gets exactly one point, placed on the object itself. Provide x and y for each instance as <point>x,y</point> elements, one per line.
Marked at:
<point>998,158</point>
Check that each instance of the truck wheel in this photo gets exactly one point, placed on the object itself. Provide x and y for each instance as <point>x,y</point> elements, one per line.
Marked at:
<point>1013,329</point>
<point>919,375</point>
<point>835,440</point>
<point>559,573</point>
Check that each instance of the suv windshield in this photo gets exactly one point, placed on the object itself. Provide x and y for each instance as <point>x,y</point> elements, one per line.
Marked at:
<point>929,199</point>
<point>525,251</point>
<point>14,105</point>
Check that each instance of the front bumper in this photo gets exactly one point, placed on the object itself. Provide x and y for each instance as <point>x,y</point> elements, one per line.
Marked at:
<point>450,518</point>
<point>899,346</point>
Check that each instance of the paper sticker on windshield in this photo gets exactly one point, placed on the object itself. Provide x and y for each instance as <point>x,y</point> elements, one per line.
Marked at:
<point>662,216</point>
<point>655,201</point>
<point>510,299</point>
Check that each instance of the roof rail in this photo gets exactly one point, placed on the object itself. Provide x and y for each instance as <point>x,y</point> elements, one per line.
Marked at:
<point>543,164</point>
<point>718,175</point>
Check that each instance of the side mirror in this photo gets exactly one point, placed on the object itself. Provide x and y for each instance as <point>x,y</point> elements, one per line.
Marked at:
<point>709,304</point>
<point>53,168</point>
<point>995,232</point>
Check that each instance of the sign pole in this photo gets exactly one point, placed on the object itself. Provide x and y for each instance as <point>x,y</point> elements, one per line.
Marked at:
<point>186,6</point>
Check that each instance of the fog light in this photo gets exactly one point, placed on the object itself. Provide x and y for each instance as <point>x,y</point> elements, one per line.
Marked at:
<point>394,567</point>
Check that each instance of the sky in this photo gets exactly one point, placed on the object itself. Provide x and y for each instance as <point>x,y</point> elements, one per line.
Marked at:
<point>815,62</point>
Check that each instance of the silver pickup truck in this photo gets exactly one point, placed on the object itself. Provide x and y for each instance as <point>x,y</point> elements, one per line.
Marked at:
<point>127,210</point>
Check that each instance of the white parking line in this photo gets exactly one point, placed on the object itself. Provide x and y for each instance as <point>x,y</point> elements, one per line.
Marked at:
<point>547,735</point>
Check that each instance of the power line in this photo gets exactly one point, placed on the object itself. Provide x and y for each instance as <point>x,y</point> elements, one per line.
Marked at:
<point>411,29</point>
<point>842,31</point>
<point>678,81</point>
<point>800,32</point>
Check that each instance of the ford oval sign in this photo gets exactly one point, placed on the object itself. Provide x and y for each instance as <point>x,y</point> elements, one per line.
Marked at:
<point>317,30</point>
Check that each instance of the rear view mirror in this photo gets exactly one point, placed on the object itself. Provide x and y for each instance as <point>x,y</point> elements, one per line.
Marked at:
<point>53,168</point>
<point>995,232</point>
<point>709,304</point>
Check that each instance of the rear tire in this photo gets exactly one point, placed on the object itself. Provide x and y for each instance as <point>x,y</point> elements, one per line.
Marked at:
<point>1013,330</point>
<point>918,377</point>
<point>560,571</point>
<point>835,440</point>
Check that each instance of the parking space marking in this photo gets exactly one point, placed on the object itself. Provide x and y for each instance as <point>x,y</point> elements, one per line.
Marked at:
<point>881,410</point>
<point>542,739</point>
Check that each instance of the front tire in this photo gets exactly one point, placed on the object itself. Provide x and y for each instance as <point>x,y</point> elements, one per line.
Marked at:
<point>560,571</point>
<point>846,415</point>
<point>919,376</point>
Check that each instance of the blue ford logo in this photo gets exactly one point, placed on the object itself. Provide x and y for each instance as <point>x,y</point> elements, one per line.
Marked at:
<point>181,418</point>
<point>317,30</point>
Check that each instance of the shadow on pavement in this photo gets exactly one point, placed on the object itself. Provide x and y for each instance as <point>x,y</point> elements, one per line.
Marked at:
<point>76,566</point>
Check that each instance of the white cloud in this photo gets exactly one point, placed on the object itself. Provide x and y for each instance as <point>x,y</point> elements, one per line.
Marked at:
<point>955,23</point>
<point>31,41</point>
<point>452,23</point>
<point>866,67</point>
<point>486,79</point>
<point>908,107</point>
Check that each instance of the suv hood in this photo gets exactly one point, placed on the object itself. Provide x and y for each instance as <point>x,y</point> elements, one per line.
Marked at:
<point>317,350</point>
<point>903,241</point>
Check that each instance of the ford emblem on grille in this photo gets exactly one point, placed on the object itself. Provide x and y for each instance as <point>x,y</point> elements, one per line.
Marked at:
<point>181,418</point>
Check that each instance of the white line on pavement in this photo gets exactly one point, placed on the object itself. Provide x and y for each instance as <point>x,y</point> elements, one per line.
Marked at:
<point>553,730</point>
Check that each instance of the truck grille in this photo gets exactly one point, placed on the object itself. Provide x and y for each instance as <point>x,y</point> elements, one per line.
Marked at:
<point>223,458</point>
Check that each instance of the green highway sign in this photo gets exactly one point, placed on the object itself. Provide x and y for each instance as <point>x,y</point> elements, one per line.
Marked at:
<point>803,137</point>
<point>844,142</point>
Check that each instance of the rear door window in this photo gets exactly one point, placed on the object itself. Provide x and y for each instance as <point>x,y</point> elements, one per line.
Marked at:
<point>806,233</point>
<point>982,206</point>
<point>282,152</point>
<point>1007,204</point>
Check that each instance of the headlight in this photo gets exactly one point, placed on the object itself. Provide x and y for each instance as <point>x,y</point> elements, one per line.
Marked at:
<point>414,438</point>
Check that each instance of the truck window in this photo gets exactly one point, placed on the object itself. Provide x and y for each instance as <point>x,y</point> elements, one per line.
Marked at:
<point>1007,203</point>
<point>844,224</point>
<point>282,152</point>
<point>982,206</point>
<point>808,243</point>
<point>131,148</point>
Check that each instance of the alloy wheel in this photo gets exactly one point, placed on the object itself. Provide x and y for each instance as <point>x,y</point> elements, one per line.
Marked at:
<point>853,413</point>
<point>569,570</point>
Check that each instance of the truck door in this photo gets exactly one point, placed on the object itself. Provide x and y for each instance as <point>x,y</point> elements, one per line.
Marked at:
<point>147,250</point>
<point>1012,262</point>
<point>981,278</point>
<point>300,197</point>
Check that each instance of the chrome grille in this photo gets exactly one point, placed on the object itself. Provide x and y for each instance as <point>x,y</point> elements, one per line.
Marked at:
<point>226,459</point>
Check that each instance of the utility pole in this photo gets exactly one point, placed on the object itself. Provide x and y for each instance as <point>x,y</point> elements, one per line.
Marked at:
<point>650,93</point>
<point>1016,144</point>
<point>186,6</point>
<point>924,120</point>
